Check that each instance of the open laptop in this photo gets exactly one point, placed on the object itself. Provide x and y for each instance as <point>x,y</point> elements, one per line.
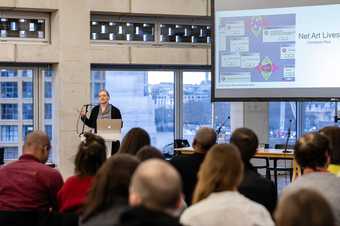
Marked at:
<point>109,129</point>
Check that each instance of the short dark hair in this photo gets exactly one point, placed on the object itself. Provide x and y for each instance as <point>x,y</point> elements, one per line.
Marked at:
<point>311,150</point>
<point>246,141</point>
<point>204,139</point>
<point>90,156</point>
<point>110,185</point>
<point>105,91</point>
<point>149,152</point>
<point>333,134</point>
<point>134,140</point>
<point>304,207</point>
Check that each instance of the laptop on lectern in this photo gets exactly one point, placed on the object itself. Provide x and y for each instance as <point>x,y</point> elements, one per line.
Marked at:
<point>109,129</point>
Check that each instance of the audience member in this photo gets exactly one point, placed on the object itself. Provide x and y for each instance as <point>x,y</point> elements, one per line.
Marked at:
<point>149,152</point>
<point>216,199</point>
<point>28,184</point>
<point>90,156</point>
<point>134,140</point>
<point>312,154</point>
<point>109,193</point>
<point>253,185</point>
<point>304,207</point>
<point>189,164</point>
<point>333,134</point>
<point>155,195</point>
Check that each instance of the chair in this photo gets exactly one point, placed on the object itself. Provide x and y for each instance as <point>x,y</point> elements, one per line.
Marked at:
<point>2,154</point>
<point>275,168</point>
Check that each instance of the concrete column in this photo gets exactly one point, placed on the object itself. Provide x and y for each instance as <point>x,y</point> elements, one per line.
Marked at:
<point>253,115</point>
<point>72,75</point>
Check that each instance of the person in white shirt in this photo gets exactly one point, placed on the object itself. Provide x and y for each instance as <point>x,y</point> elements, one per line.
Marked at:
<point>216,201</point>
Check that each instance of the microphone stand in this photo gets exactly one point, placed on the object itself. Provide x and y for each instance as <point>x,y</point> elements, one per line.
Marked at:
<point>218,131</point>
<point>288,136</point>
<point>83,128</point>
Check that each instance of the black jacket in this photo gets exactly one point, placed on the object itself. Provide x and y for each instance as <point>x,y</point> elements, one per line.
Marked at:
<point>188,166</point>
<point>257,188</point>
<point>141,216</point>
<point>92,121</point>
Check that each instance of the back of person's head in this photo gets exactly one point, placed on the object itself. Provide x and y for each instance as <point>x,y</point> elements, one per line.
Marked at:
<point>304,207</point>
<point>312,151</point>
<point>111,185</point>
<point>134,140</point>
<point>246,141</point>
<point>90,156</point>
<point>204,139</point>
<point>333,134</point>
<point>221,170</point>
<point>38,145</point>
<point>156,185</point>
<point>149,152</point>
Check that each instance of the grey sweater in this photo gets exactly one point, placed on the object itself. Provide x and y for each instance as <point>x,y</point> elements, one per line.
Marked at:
<point>325,183</point>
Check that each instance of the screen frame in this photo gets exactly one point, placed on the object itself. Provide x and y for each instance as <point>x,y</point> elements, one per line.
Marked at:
<point>216,97</point>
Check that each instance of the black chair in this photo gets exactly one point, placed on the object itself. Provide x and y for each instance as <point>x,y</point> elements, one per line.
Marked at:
<point>275,168</point>
<point>2,154</point>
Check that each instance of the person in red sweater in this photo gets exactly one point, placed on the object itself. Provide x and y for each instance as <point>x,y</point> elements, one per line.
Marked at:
<point>90,156</point>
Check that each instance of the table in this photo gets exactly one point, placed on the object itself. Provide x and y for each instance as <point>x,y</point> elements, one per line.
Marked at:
<point>279,154</point>
<point>268,154</point>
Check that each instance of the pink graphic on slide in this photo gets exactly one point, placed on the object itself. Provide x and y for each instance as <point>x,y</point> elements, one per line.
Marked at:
<point>267,68</point>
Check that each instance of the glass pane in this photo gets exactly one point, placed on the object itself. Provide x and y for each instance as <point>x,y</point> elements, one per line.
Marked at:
<point>9,111</point>
<point>48,111</point>
<point>222,121</point>
<point>9,89</point>
<point>317,115</point>
<point>27,89</point>
<point>282,118</point>
<point>27,111</point>
<point>145,99</point>
<point>11,153</point>
<point>48,78</point>
<point>196,98</point>
<point>48,89</point>
<point>9,133</point>
<point>26,129</point>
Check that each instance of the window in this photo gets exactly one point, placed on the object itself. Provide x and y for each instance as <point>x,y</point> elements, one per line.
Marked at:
<point>9,133</point>
<point>18,104</point>
<point>180,33</point>
<point>150,29</point>
<point>24,26</point>
<point>282,118</point>
<point>48,111</point>
<point>197,107</point>
<point>27,89</point>
<point>317,115</point>
<point>9,90</point>
<point>222,121</point>
<point>48,89</point>
<point>26,129</point>
<point>145,99</point>
<point>9,111</point>
<point>11,153</point>
<point>27,111</point>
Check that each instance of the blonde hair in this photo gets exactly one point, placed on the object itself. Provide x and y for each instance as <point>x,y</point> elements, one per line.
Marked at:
<point>221,170</point>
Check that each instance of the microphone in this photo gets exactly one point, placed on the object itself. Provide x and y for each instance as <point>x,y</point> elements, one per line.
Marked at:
<point>288,136</point>
<point>87,105</point>
<point>218,131</point>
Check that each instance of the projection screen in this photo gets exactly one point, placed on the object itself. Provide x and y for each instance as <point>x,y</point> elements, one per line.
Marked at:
<point>268,50</point>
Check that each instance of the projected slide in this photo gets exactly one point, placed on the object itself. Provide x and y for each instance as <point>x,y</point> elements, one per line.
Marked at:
<point>290,48</point>
<point>257,49</point>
